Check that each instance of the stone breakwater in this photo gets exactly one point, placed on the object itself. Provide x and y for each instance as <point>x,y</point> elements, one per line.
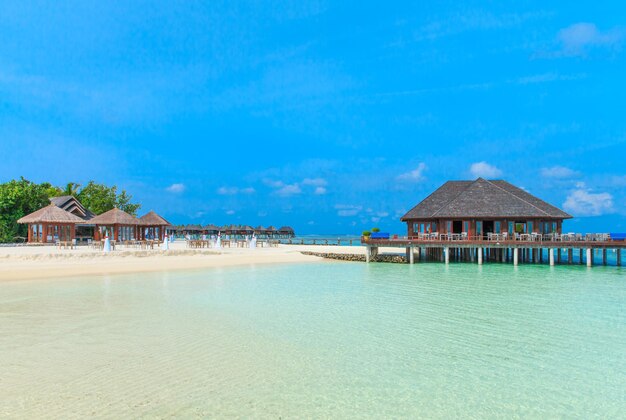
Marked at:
<point>397,259</point>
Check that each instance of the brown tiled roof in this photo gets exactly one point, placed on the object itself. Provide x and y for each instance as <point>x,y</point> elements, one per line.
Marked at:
<point>153,219</point>
<point>50,214</point>
<point>114,217</point>
<point>480,199</point>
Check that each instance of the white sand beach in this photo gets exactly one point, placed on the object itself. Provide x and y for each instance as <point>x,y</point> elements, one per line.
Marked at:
<point>43,262</point>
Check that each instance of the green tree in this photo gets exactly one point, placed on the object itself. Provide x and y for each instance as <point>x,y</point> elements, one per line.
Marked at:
<point>17,199</point>
<point>100,198</point>
<point>71,189</point>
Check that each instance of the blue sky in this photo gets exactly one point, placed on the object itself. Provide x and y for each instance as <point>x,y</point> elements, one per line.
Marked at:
<point>331,117</point>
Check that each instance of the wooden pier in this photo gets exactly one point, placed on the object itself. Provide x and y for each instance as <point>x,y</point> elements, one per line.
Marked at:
<point>514,251</point>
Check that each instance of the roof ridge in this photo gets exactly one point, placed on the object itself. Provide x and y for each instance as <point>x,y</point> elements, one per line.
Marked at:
<point>455,197</point>
<point>518,197</point>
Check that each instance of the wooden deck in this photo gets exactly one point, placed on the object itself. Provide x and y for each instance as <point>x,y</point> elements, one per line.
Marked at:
<point>515,251</point>
<point>478,243</point>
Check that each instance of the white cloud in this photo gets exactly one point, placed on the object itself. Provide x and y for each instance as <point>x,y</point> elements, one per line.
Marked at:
<point>235,190</point>
<point>416,175</point>
<point>576,39</point>
<point>548,77</point>
<point>582,202</point>
<point>320,191</point>
<point>346,210</point>
<point>484,170</point>
<point>288,190</point>
<point>230,212</point>
<point>315,182</point>
<point>227,190</point>
<point>560,172</point>
<point>273,183</point>
<point>176,188</point>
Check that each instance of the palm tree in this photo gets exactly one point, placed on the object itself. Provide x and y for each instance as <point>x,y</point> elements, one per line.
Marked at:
<point>71,188</point>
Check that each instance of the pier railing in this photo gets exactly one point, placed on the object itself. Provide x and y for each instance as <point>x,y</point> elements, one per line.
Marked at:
<point>501,237</point>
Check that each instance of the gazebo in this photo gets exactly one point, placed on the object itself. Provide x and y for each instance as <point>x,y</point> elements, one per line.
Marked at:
<point>119,224</point>
<point>153,226</point>
<point>51,224</point>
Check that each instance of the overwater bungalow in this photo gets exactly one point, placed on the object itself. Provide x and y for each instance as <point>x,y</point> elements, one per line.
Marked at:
<point>152,226</point>
<point>51,224</point>
<point>476,209</point>
<point>286,232</point>
<point>119,225</point>
<point>212,229</point>
<point>271,231</point>
<point>246,230</point>
<point>192,230</point>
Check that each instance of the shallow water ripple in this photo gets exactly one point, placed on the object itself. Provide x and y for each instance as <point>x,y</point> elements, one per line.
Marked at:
<point>318,340</point>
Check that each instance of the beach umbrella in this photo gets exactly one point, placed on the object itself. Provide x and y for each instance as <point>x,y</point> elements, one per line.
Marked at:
<point>166,242</point>
<point>107,243</point>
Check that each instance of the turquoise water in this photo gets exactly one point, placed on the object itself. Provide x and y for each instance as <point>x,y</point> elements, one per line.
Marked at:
<point>318,340</point>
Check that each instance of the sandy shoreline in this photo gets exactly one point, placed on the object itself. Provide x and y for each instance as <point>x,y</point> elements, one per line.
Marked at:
<point>24,262</point>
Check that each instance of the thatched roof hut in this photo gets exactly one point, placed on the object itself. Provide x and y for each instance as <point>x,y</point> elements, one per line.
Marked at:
<point>480,207</point>
<point>123,225</point>
<point>483,199</point>
<point>153,219</point>
<point>50,214</point>
<point>51,223</point>
<point>153,226</point>
<point>114,216</point>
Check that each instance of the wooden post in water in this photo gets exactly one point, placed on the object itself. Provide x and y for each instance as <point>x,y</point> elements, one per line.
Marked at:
<point>619,257</point>
<point>570,255</point>
<point>558,256</point>
<point>479,251</point>
<point>551,256</point>
<point>515,256</point>
<point>446,256</point>
<point>580,256</point>
<point>604,256</point>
